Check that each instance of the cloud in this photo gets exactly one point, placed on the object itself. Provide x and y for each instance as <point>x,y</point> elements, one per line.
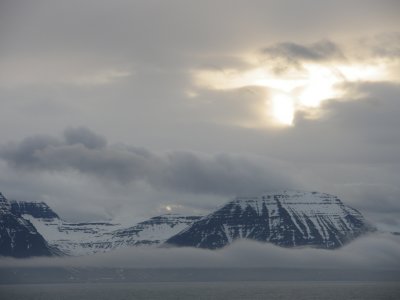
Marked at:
<point>378,200</point>
<point>316,52</point>
<point>86,152</point>
<point>360,130</point>
<point>383,45</point>
<point>63,64</point>
<point>372,252</point>
<point>66,72</point>
<point>85,137</point>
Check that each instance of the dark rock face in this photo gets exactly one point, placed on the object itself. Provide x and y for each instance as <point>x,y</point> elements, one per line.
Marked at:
<point>35,209</point>
<point>18,237</point>
<point>288,219</point>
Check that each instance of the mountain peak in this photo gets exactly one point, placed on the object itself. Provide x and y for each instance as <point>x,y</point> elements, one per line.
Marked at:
<point>285,218</point>
<point>35,209</point>
<point>4,204</point>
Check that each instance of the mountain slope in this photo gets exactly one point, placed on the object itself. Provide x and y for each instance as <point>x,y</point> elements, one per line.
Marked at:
<point>286,219</point>
<point>75,238</point>
<point>153,231</point>
<point>91,237</point>
<point>18,237</point>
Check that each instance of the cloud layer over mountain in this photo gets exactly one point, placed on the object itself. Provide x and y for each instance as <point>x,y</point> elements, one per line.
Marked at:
<point>86,152</point>
<point>105,109</point>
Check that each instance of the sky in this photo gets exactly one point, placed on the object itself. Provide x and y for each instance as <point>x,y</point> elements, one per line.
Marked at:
<point>129,109</point>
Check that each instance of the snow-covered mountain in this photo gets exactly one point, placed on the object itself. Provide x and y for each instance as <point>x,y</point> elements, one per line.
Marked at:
<point>91,237</point>
<point>151,232</point>
<point>288,218</point>
<point>74,238</point>
<point>18,237</point>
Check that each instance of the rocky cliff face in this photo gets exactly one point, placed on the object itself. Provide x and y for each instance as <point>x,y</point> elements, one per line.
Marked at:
<point>289,219</point>
<point>18,237</point>
<point>35,209</point>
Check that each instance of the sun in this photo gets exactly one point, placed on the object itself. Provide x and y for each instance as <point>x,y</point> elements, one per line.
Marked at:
<point>297,89</point>
<point>283,109</point>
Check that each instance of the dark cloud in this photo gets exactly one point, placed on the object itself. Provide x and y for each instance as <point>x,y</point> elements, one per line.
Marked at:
<point>285,56</point>
<point>86,152</point>
<point>320,51</point>
<point>26,151</point>
<point>85,137</point>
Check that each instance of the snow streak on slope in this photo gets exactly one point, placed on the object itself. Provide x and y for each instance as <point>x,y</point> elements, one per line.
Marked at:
<point>74,238</point>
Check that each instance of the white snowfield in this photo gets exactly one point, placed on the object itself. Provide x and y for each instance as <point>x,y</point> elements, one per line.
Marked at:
<point>77,239</point>
<point>151,232</point>
<point>73,238</point>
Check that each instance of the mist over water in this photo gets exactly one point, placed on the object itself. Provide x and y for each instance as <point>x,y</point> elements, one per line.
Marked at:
<point>376,251</point>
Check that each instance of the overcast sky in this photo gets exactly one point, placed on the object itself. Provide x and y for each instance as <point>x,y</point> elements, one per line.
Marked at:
<point>122,108</point>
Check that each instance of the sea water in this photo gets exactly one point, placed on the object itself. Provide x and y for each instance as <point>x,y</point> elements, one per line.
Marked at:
<point>289,290</point>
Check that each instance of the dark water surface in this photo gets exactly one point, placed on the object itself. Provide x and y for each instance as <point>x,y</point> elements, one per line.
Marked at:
<point>205,290</point>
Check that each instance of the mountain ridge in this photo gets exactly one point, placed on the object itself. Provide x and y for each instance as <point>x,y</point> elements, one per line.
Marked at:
<point>287,218</point>
<point>83,238</point>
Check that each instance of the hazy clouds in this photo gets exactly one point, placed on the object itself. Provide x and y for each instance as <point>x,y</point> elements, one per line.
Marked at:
<point>137,132</point>
<point>84,151</point>
<point>292,53</point>
<point>374,252</point>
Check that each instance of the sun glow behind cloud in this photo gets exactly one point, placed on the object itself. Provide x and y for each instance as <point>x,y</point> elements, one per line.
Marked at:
<point>283,109</point>
<point>301,88</point>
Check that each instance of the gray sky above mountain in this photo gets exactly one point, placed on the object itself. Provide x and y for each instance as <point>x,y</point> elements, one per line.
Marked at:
<point>125,108</point>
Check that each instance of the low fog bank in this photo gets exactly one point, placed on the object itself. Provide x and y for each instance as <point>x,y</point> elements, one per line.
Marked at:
<point>377,251</point>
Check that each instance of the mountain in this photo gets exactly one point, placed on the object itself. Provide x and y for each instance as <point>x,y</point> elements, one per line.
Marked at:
<point>75,238</point>
<point>68,237</point>
<point>153,231</point>
<point>288,219</point>
<point>18,237</point>
<point>85,238</point>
